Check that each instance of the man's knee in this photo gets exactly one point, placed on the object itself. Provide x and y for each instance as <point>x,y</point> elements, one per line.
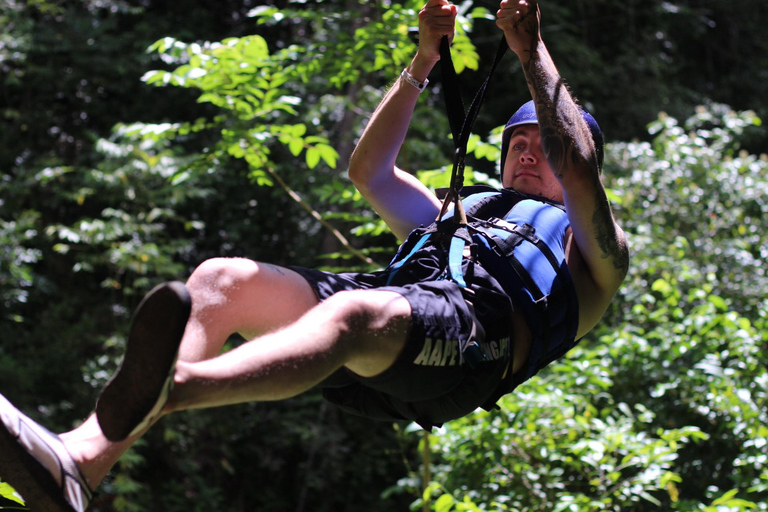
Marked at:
<point>248,296</point>
<point>366,310</point>
<point>222,273</point>
<point>219,278</point>
<point>373,327</point>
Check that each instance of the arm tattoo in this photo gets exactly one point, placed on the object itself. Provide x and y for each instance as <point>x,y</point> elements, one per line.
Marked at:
<point>567,144</point>
<point>277,269</point>
<point>524,17</point>
<point>611,244</point>
<point>566,141</point>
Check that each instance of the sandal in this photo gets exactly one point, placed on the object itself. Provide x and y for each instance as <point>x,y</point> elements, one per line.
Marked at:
<point>134,397</point>
<point>37,464</point>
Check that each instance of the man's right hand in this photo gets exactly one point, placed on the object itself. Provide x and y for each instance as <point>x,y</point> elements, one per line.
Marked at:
<point>436,19</point>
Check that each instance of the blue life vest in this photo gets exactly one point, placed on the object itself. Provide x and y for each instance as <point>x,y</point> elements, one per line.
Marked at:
<point>519,239</point>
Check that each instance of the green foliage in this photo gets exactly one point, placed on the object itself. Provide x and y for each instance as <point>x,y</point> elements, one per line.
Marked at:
<point>239,77</point>
<point>132,235</point>
<point>379,39</point>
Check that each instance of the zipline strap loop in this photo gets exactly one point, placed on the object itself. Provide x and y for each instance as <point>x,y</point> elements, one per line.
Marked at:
<point>461,123</point>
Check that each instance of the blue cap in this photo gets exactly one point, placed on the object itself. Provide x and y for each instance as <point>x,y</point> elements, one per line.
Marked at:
<point>527,115</point>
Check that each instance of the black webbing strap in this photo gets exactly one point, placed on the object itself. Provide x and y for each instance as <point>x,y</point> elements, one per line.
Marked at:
<point>461,123</point>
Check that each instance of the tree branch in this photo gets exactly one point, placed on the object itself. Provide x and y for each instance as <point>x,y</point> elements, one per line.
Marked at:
<point>335,232</point>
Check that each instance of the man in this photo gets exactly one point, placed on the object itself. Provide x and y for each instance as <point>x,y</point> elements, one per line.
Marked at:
<point>427,339</point>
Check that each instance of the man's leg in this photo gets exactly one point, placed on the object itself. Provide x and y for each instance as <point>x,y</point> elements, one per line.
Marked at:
<point>364,331</point>
<point>237,295</point>
<point>229,295</point>
<point>39,463</point>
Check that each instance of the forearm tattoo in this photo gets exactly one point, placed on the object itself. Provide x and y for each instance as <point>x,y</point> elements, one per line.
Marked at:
<point>277,269</point>
<point>565,140</point>
<point>567,144</point>
<point>612,245</point>
<point>531,12</point>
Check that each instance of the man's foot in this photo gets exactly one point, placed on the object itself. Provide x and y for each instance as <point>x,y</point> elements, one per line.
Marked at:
<point>134,397</point>
<point>36,463</point>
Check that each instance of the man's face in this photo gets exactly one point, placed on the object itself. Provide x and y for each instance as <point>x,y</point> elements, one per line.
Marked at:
<point>526,169</point>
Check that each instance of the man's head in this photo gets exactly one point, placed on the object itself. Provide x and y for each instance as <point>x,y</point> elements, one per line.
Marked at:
<point>523,165</point>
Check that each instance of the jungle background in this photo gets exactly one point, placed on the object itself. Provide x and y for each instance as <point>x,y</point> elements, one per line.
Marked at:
<point>138,138</point>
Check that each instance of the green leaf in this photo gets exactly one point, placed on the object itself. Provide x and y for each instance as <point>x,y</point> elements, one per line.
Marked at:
<point>295,146</point>
<point>722,500</point>
<point>444,503</point>
<point>662,286</point>
<point>9,493</point>
<point>718,302</point>
<point>648,497</point>
<point>329,155</point>
<point>313,157</point>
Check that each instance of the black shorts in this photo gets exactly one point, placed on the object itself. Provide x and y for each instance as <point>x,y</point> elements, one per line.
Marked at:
<point>457,351</point>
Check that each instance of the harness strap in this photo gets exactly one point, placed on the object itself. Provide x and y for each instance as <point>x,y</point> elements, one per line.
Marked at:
<point>461,126</point>
<point>396,266</point>
<point>519,233</point>
<point>455,257</point>
<point>461,123</point>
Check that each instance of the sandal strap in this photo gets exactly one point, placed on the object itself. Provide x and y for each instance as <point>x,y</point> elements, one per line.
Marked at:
<point>50,453</point>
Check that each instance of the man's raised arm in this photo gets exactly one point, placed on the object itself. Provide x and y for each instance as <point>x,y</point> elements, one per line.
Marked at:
<point>397,196</point>
<point>569,149</point>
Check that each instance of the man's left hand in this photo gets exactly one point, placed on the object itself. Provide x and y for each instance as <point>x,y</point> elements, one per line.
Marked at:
<point>519,19</point>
